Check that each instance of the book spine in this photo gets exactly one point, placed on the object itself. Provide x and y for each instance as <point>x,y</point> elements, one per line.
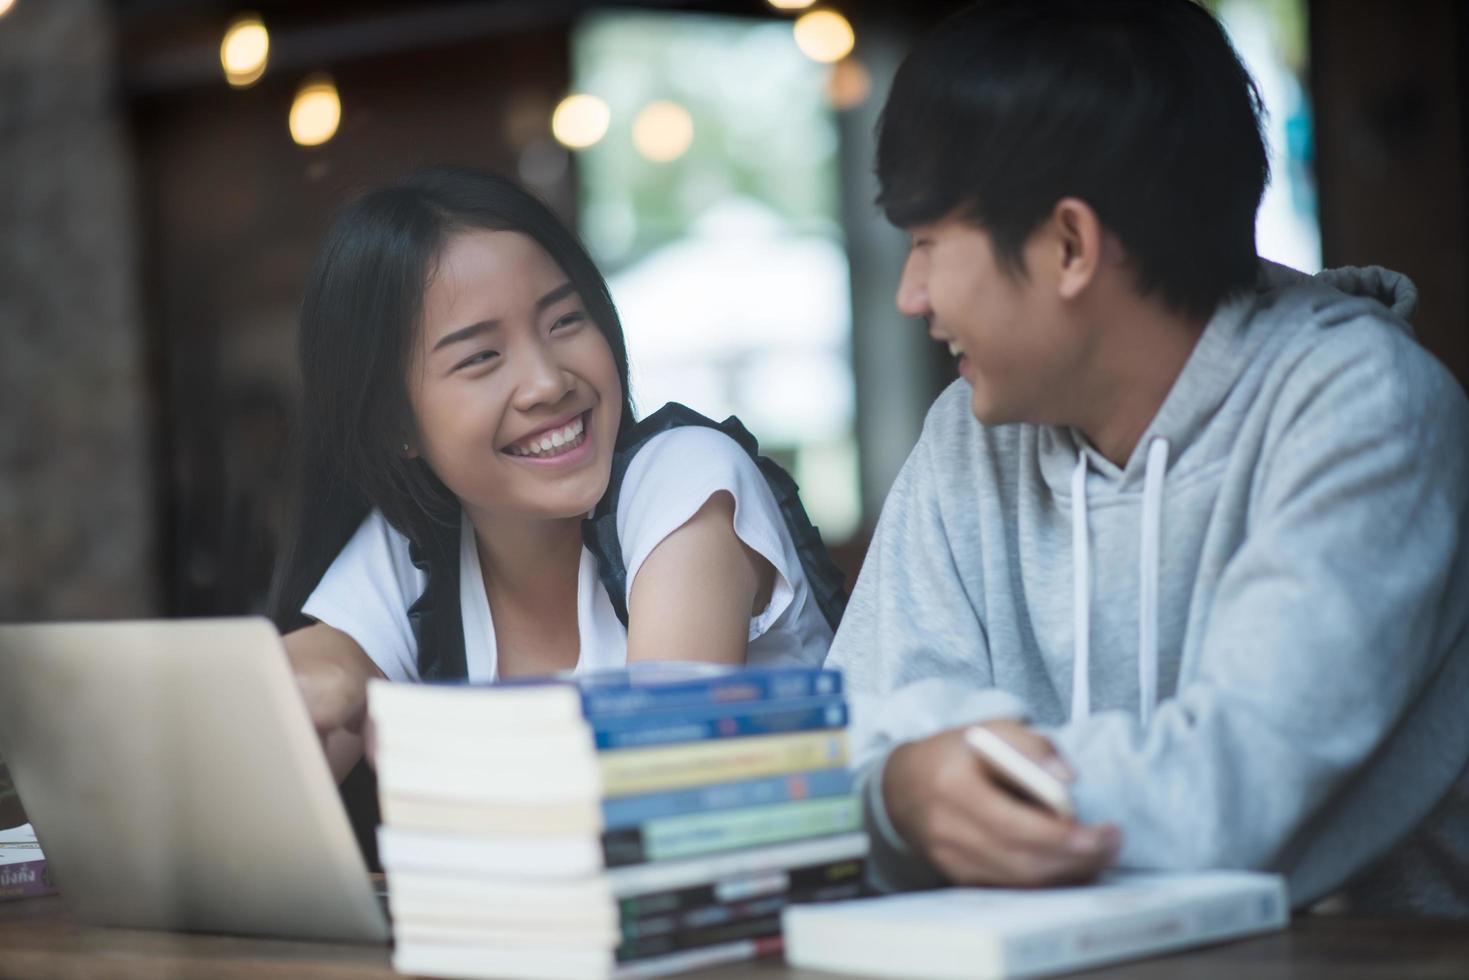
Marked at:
<point>807,879</point>
<point>705,916</point>
<point>756,928</point>
<point>630,771</point>
<point>25,879</point>
<point>631,811</point>
<point>772,685</point>
<point>700,958</point>
<point>728,830</point>
<point>702,723</point>
<point>1076,947</point>
<point>729,867</point>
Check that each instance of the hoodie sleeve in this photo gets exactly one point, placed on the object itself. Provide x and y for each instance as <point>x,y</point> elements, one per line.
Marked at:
<point>1346,603</point>
<point>912,644</point>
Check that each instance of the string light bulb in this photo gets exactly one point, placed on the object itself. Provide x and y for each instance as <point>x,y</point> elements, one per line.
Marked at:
<point>663,131</point>
<point>316,111</point>
<point>848,85</point>
<point>824,35</point>
<point>244,51</point>
<point>580,121</point>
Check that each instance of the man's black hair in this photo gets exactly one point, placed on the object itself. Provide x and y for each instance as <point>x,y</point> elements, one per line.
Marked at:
<point>1140,108</point>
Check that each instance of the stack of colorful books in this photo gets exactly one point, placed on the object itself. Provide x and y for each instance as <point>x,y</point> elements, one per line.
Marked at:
<point>633,823</point>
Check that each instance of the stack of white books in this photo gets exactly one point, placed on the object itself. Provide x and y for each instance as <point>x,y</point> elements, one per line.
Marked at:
<point>626,824</point>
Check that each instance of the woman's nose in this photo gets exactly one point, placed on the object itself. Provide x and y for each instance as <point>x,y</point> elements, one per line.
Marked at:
<point>543,380</point>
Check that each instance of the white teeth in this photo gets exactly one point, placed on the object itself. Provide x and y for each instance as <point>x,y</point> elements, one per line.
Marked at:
<point>567,435</point>
<point>954,350</point>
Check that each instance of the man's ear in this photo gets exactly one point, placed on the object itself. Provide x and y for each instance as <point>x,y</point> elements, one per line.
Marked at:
<point>1082,238</point>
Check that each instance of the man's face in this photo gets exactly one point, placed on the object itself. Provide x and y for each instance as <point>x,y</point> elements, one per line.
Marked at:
<point>1013,342</point>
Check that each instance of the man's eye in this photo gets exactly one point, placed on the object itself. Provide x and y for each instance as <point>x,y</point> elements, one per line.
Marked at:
<point>482,357</point>
<point>570,319</point>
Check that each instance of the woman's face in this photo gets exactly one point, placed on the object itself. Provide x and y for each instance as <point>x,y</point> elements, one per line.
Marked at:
<point>514,390</point>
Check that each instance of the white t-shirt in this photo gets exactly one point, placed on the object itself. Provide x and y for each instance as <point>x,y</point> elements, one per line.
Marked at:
<point>367,591</point>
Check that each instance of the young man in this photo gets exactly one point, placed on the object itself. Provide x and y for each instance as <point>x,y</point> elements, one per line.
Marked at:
<point>1191,529</point>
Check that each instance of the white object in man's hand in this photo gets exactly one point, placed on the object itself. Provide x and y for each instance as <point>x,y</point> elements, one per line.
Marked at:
<point>1020,773</point>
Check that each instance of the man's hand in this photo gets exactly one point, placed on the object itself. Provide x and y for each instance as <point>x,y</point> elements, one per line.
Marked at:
<point>948,804</point>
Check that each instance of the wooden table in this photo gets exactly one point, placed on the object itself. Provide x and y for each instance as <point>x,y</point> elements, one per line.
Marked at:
<point>38,939</point>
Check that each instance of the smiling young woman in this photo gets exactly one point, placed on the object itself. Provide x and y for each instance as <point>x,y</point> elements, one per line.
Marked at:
<point>477,499</point>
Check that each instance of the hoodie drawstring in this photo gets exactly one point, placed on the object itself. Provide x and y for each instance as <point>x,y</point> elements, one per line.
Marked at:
<point>1148,561</point>
<point>1081,596</point>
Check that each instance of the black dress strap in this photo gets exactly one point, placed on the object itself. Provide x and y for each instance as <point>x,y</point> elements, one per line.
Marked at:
<point>599,532</point>
<point>435,617</point>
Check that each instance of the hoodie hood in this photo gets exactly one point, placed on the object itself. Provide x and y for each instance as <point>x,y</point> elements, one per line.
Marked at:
<point>1392,289</point>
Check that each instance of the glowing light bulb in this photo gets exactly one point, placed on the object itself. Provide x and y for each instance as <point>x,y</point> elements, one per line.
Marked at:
<point>316,111</point>
<point>663,131</point>
<point>824,35</point>
<point>5,6</point>
<point>244,50</point>
<point>790,4</point>
<point>580,121</point>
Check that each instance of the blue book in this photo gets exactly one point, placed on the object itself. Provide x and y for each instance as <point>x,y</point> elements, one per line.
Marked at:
<point>633,811</point>
<point>656,686</point>
<point>724,720</point>
<point>653,687</point>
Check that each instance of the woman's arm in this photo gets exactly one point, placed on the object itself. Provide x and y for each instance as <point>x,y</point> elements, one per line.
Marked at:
<point>332,672</point>
<point>696,591</point>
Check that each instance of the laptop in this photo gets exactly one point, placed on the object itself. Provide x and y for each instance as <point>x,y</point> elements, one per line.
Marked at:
<point>175,781</point>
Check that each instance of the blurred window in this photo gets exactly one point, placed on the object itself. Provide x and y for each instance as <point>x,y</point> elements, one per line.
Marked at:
<point>1271,37</point>
<point>711,204</point>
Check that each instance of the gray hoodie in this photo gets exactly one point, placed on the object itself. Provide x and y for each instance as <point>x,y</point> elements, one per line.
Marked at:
<point>1251,642</point>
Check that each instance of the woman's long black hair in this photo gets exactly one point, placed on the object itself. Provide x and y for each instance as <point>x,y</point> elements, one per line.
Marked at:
<point>359,322</point>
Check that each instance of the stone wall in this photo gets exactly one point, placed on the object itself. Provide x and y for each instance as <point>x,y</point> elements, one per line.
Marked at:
<point>77,535</point>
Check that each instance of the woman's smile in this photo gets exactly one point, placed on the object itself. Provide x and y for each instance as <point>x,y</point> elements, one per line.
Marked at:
<point>561,444</point>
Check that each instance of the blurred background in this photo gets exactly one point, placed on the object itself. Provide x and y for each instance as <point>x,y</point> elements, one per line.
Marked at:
<point>168,166</point>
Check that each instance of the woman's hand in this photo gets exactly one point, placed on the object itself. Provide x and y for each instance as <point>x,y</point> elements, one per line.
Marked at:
<point>332,672</point>
<point>335,697</point>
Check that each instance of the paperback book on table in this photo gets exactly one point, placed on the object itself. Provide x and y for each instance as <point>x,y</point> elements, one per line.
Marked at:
<point>626,824</point>
<point>1000,934</point>
<point>22,865</point>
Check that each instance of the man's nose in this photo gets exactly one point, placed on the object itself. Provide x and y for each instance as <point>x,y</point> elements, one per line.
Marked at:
<point>912,298</point>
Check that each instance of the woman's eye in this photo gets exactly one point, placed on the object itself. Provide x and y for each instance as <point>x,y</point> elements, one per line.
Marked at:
<point>482,357</point>
<point>570,319</point>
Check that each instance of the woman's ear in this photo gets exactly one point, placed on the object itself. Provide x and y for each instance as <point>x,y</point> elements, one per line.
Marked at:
<point>408,449</point>
<point>1081,236</point>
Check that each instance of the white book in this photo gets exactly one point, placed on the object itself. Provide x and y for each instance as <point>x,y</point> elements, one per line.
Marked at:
<point>566,857</point>
<point>549,819</point>
<point>994,934</point>
<point>466,858</point>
